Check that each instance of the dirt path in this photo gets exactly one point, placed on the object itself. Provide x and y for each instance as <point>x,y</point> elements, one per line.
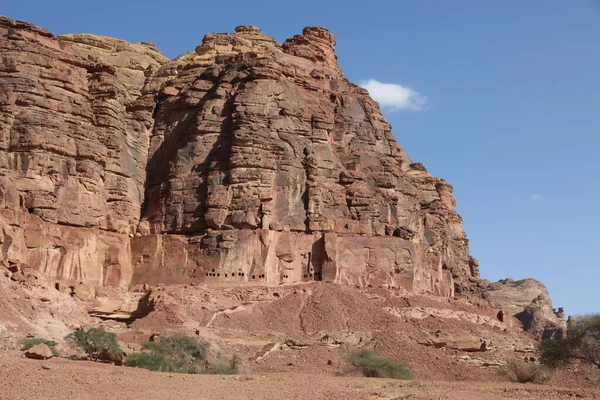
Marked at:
<point>60,379</point>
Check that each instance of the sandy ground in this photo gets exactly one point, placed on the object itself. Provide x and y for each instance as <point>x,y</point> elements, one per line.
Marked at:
<point>64,379</point>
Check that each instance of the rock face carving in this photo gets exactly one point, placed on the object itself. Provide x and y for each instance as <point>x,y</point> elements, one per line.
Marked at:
<point>244,161</point>
<point>529,301</point>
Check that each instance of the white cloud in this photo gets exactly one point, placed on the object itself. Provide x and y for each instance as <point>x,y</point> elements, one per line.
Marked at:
<point>393,96</point>
<point>537,197</point>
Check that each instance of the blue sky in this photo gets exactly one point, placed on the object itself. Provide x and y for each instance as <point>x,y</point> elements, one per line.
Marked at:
<point>511,118</point>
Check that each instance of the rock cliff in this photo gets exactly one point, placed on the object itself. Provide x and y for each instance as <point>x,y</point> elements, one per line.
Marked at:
<point>244,161</point>
<point>529,301</point>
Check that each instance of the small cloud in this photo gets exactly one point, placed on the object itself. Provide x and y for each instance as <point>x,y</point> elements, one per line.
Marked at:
<point>537,197</point>
<point>393,96</point>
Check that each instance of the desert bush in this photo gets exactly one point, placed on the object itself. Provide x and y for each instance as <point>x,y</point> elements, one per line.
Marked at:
<point>525,372</point>
<point>179,354</point>
<point>28,343</point>
<point>582,342</point>
<point>555,353</point>
<point>593,380</point>
<point>377,367</point>
<point>95,342</point>
<point>231,368</point>
<point>153,362</point>
<point>162,363</point>
<point>179,346</point>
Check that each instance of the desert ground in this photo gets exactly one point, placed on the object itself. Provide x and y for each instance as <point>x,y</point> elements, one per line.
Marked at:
<point>60,378</point>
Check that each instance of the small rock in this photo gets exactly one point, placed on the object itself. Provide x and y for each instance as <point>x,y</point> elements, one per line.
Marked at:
<point>39,352</point>
<point>46,367</point>
<point>18,276</point>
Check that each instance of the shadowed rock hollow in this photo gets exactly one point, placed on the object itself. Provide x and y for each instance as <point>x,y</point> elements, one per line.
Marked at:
<point>245,161</point>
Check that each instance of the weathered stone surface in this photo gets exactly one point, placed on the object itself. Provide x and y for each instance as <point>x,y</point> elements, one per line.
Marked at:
<point>244,161</point>
<point>39,352</point>
<point>529,301</point>
<point>73,148</point>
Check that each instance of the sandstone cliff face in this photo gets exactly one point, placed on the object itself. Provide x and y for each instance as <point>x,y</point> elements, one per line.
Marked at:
<point>529,301</point>
<point>245,161</point>
<point>73,147</point>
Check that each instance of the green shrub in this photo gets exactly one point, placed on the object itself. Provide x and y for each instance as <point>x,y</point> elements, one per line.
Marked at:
<point>176,353</point>
<point>377,367</point>
<point>96,343</point>
<point>179,346</point>
<point>525,372</point>
<point>28,343</point>
<point>153,362</point>
<point>162,363</point>
<point>555,353</point>
<point>179,354</point>
<point>582,342</point>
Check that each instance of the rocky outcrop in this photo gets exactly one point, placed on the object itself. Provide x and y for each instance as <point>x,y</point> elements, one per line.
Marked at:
<point>245,161</point>
<point>73,147</point>
<point>529,301</point>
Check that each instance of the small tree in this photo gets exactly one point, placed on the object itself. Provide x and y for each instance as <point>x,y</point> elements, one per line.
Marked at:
<point>582,343</point>
<point>378,367</point>
<point>95,342</point>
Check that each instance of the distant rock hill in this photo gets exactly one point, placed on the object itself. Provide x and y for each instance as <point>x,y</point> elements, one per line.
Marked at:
<point>529,301</point>
<point>243,161</point>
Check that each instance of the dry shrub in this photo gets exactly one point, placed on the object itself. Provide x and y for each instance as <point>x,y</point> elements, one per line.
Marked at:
<point>525,372</point>
<point>378,367</point>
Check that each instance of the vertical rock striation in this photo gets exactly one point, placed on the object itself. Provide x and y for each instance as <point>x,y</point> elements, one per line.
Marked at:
<point>73,147</point>
<point>244,161</point>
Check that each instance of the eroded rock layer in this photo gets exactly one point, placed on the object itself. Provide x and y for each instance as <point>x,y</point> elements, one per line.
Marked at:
<point>244,161</point>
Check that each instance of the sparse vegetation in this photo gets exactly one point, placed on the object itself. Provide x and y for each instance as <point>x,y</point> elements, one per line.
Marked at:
<point>96,343</point>
<point>28,343</point>
<point>525,372</point>
<point>378,367</point>
<point>593,380</point>
<point>230,368</point>
<point>179,354</point>
<point>582,342</point>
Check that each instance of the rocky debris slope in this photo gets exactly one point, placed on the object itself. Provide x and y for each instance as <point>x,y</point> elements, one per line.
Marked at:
<point>299,328</point>
<point>244,161</point>
<point>529,301</point>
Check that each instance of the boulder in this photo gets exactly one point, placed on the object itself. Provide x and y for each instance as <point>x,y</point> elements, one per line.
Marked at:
<point>39,352</point>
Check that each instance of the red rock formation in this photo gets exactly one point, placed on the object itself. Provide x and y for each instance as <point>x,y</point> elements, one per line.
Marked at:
<point>245,161</point>
<point>73,148</point>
